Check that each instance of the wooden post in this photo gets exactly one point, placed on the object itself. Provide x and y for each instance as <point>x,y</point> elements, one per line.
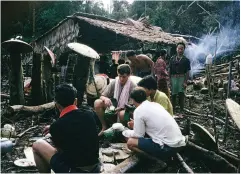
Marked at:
<point>212,107</point>
<point>36,92</point>
<point>69,76</point>
<point>229,86</point>
<point>81,73</point>
<point>47,77</point>
<point>16,79</point>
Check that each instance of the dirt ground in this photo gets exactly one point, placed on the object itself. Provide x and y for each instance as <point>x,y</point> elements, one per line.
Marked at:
<point>200,105</point>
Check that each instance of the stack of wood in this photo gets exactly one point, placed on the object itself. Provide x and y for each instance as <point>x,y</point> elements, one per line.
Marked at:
<point>219,75</point>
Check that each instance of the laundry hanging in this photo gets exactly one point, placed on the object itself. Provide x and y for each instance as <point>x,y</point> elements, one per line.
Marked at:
<point>116,55</point>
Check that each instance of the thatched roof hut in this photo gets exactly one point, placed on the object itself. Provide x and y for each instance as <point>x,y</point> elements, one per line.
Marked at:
<point>100,33</point>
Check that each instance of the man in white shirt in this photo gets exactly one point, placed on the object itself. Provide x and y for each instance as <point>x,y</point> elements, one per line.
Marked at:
<point>152,119</point>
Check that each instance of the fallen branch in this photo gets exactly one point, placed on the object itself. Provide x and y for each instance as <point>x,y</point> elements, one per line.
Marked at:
<point>32,109</point>
<point>210,116</point>
<point>215,162</point>
<point>184,165</point>
<point>21,134</point>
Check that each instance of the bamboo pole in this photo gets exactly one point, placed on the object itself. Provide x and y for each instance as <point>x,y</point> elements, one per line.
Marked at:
<point>212,107</point>
<point>229,85</point>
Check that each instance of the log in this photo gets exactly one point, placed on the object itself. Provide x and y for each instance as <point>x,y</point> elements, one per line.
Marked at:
<point>215,162</point>
<point>230,157</point>
<point>21,134</point>
<point>184,165</point>
<point>126,165</point>
<point>31,109</point>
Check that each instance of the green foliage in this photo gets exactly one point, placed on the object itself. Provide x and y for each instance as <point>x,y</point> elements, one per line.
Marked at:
<point>50,13</point>
<point>184,17</point>
<point>187,17</point>
<point>120,9</point>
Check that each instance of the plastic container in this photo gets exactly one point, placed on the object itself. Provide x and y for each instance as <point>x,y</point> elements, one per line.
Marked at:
<point>6,145</point>
<point>109,133</point>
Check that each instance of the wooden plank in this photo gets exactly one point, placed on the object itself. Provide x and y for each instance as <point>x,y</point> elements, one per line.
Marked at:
<point>126,165</point>
<point>29,154</point>
<point>234,111</point>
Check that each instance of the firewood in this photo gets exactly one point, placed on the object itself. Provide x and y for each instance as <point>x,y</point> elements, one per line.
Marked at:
<point>215,162</point>
<point>31,109</point>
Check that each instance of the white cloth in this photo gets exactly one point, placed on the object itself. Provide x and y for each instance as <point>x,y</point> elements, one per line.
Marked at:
<point>233,86</point>
<point>122,94</point>
<point>153,119</point>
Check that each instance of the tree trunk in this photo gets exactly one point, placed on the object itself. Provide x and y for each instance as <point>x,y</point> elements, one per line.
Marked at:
<point>16,80</point>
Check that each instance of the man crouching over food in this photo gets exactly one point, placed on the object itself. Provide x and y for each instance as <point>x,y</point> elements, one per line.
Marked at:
<point>119,89</point>
<point>152,119</point>
<point>74,136</point>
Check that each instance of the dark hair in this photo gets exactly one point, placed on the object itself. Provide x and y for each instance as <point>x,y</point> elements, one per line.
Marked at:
<point>121,61</point>
<point>181,43</point>
<point>163,52</point>
<point>138,94</point>
<point>130,53</point>
<point>65,95</point>
<point>148,82</point>
<point>124,69</point>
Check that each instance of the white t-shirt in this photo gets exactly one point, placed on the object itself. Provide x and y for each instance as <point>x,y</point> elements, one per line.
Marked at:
<point>153,119</point>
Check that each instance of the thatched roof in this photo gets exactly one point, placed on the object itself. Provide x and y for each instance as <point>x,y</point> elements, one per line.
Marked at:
<point>103,33</point>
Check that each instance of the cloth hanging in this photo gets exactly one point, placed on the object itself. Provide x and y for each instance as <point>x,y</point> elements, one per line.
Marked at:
<point>122,94</point>
<point>116,55</point>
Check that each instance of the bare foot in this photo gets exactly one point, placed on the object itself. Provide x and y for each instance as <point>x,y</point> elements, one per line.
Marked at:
<point>101,132</point>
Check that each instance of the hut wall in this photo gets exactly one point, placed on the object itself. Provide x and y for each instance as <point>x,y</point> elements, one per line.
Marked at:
<point>58,38</point>
<point>16,80</point>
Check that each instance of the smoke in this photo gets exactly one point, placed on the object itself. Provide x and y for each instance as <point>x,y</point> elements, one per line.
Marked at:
<point>228,41</point>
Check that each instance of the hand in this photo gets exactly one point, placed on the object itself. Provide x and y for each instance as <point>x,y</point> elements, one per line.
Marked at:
<point>118,110</point>
<point>130,124</point>
<point>46,130</point>
<point>107,102</point>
